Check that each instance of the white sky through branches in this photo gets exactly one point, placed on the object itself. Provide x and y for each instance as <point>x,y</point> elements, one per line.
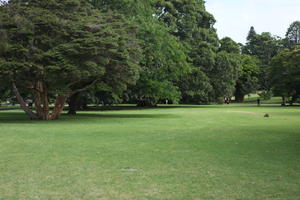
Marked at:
<point>234,17</point>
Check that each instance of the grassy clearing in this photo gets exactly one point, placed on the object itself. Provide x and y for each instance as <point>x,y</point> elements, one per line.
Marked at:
<point>192,152</point>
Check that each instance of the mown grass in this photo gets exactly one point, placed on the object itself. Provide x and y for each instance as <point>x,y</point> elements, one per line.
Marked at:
<point>184,153</point>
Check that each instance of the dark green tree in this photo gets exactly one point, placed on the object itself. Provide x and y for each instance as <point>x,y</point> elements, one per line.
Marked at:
<point>264,46</point>
<point>293,34</point>
<point>230,46</point>
<point>163,64</point>
<point>225,75</point>
<point>189,21</point>
<point>248,78</point>
<point>56,49</point>
<point>164,57</point>
<point>285,74</point>
<point>251,34</point>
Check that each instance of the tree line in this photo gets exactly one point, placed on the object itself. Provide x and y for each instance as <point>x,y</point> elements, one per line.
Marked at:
<point>134,51</point>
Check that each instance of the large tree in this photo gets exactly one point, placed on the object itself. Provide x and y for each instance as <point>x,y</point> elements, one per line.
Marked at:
<point>56,49</point>
<point>264,46</point>
<point>163,63</point>
<point>164,57</point>
<point>293,34</point>
<point>285,74</point>
<point>225,74</point>
<point>248,78</point>
<point>189,21</point>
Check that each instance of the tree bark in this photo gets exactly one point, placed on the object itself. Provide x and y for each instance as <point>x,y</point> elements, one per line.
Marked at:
<point>41,100</point>
<point>283,101</point>
<point>22,103</point>
<point>59,105</point>
<point>239,96</point>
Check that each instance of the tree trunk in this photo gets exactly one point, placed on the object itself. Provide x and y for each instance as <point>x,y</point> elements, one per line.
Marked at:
<point>73,104</point>
<point>239,95</point>
<point>239,98</point>
<point>59,105</point>
<point>283,101</point>
<point>22,103</point>
<point>41,101</point>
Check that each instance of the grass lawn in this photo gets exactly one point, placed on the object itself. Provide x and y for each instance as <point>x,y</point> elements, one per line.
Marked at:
<point>185,153</point>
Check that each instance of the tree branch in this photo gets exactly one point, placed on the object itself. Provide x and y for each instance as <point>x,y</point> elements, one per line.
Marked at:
<point>84,88</point>
<point>72,83</point>
<point>22,103</point>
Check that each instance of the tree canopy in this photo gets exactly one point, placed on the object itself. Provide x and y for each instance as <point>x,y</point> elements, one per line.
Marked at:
<point>285,74</point>
<point>142,52</point>
<point>58,48</point>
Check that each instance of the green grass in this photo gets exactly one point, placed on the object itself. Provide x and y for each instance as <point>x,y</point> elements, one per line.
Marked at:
<point>253,99</point>
<point>186,153</point>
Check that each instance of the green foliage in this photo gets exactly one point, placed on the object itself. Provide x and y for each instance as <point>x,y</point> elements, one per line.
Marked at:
<point>195,87</point>
<point>184,18</point>
<point>193,26</point>
<point>251,34</point>
<point>66,45</point>
<point>164,57</point>
<point>230,46</point>
<point>285,73</point>
<point>293,34</point>
<point>225,74</point>
<point>264,46</point>
<point>163,64</point>
<point>266,95</point>
<point>248,78</point>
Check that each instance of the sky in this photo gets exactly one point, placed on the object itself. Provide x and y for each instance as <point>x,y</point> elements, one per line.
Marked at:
<point>235,17</point>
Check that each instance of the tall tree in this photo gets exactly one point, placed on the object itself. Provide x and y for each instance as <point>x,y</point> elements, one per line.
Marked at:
<point>285,74</point>
<point>163,64</point>
<point>248,78</point>
<point>264,46</point>
<point>251,34</point>
<point>189,21</point>
<point>164,57</point>
<point>293,34</point>
<point>225,74</point>
<point>59,48</point>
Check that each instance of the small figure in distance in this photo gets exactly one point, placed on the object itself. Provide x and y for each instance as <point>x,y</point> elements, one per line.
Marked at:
<point>226,100</point>
<point>167,101</point>
<point>258,101</point>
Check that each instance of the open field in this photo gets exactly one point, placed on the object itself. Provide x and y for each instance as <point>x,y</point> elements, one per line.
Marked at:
<point>184,153</point>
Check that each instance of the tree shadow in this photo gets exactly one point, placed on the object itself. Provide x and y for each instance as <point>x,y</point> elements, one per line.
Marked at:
<point>118,115</point>
<point>21,118</point>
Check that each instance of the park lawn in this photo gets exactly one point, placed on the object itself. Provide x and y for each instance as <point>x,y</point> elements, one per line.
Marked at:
<point>183,153</point>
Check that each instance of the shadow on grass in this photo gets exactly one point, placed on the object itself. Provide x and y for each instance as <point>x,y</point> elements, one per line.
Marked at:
<point>21,118</point>
<point>103,115</point>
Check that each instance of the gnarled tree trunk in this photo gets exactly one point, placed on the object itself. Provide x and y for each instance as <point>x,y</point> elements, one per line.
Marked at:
<point>41,100</point>
<point>59,106</point>
<point>22,103</point>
